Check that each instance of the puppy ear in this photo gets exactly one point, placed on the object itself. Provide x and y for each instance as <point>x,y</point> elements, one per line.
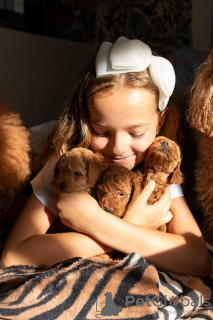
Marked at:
<point>136,187</point>
<point>95,167</point>
<point>176,177</point>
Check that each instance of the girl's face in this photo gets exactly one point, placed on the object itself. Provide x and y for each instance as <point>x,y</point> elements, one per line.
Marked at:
<point>124,124</point>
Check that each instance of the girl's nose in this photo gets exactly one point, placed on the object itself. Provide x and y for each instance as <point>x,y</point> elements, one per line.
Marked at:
<point>119,144</point>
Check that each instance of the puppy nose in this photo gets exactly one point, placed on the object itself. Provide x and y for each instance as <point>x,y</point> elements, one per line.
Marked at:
<point>165,144</point>
<point>62,185</point>
<point>109,209</point>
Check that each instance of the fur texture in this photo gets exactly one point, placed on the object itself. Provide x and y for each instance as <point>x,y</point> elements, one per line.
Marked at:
<point>76,289</point>
<point>14,169</point>
<point>162,164</point>
<point>200,116</point>
<point>118,187</point>
<point>78,170</point>
<point>14,159</point>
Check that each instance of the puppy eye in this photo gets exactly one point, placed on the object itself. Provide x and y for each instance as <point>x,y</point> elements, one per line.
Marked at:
<point>76,173</point>
<point>121,194</point>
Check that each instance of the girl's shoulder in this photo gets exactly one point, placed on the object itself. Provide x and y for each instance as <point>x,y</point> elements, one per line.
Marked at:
<point>176,191</point>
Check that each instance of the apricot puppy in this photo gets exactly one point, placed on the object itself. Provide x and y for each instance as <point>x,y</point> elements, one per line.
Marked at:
<point>78,170</point>
<point>117,188</point>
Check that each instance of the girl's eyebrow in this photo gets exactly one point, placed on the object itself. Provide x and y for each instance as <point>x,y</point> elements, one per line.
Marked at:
<point>132,127</point>
<point>140,125</point>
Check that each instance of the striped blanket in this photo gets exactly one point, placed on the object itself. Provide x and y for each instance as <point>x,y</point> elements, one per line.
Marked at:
<point>93,288</point>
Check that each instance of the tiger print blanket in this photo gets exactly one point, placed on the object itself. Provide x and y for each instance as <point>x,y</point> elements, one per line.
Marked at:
<point>95,288</point>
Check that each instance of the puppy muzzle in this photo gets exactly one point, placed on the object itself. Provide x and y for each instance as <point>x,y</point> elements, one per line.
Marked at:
<point>62,185</point>
<point>109,209</point>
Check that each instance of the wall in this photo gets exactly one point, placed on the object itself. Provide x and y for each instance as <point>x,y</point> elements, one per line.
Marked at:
<point>38,72</point>
<point>202,25</point>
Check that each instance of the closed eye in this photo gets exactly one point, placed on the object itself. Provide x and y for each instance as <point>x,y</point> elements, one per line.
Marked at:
<point>99,134</point>
<point>137,136</point>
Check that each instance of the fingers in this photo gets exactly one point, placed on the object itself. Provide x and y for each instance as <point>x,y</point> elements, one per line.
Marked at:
<point>167,218</point>
<point>147,190</point>
<point>164,204</point>
<point>164,201</point>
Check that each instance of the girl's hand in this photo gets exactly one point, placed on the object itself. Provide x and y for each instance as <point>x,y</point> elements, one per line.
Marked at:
<point>78,210</point>
<point>150,216</point>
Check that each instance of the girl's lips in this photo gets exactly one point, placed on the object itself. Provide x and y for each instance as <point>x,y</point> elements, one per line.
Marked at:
<point>119,160</point>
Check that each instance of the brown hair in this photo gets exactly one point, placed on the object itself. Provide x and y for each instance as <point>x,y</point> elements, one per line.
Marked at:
<point>74,128</point>
<point>201,98</point>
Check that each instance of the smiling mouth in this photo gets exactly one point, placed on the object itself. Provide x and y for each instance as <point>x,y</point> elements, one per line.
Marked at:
<point>121,159</point>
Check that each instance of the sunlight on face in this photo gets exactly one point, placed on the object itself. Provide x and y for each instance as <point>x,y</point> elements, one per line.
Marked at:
<point>124,124</point>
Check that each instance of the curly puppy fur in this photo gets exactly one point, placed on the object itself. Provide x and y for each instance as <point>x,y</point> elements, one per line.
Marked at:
<point>200,116</point>
<point>14,159</point>
<point>162,164</point>
<point>117,188</point>
<point>78,170</point>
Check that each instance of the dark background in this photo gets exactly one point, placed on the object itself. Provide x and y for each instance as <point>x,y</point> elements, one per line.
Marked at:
<point>164,24</point>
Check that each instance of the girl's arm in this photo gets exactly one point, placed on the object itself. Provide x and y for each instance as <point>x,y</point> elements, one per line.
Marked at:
<point>181,250</point>
<point>28,244</point>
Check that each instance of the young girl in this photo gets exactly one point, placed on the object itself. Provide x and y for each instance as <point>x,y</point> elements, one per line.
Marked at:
<point>117,109</point>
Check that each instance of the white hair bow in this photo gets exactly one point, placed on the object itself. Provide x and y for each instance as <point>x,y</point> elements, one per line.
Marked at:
<point>133,56</point>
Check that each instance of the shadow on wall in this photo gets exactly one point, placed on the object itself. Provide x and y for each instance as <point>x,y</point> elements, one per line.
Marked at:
<point>37,73</point>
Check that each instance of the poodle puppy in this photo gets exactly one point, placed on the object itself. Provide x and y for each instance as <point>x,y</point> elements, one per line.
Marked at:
<point>162,164</point>
<point>117,188</point>
<point>14,159</point>
<point>200,116</point>
<point>78,170</point>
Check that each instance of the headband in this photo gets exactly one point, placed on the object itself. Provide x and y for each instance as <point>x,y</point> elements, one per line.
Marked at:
<point>133,56</point>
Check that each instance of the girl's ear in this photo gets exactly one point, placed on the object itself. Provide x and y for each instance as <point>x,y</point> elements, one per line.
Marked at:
<point>162,118</point>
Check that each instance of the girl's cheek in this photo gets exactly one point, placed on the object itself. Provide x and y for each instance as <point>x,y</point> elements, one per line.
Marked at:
<point>140,148</point>
<point>144,144</point>
<point>98,144</point>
